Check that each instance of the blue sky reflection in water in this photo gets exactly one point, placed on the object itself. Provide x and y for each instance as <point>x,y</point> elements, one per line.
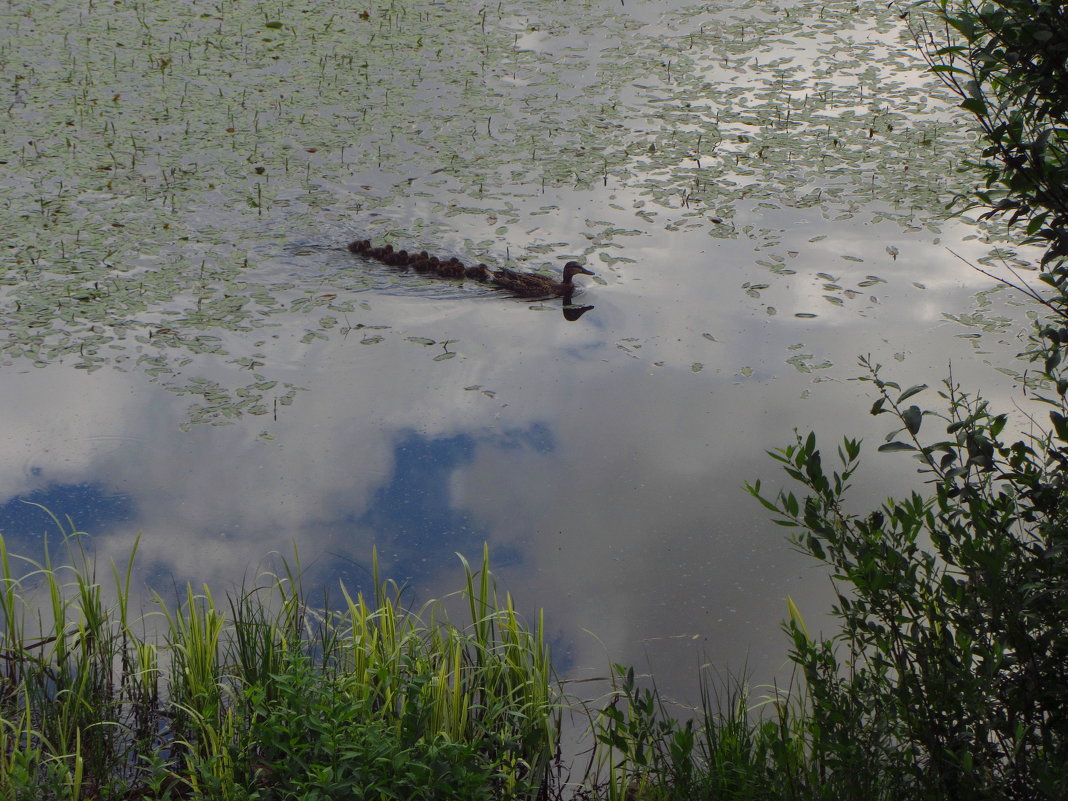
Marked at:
<point>23,518</point>
<point>758,189</point>
<point>413,517</point>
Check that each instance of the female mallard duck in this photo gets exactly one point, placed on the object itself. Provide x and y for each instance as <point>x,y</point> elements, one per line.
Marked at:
<point>534,285</point>
<point>522,285</point>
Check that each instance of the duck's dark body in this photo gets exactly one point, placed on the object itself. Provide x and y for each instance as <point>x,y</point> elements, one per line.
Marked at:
<point>523,285</point>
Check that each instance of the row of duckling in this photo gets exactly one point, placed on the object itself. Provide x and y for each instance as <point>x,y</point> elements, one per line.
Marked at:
<point>525,285</point>
<point>421,262</point>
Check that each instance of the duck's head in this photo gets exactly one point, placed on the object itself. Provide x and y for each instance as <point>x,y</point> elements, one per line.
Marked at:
<point>573,268</point>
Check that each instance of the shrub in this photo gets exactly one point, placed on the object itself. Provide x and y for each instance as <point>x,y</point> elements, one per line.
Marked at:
<point>318,741</point>
<point>1008,62</point>
<point>949,676</point>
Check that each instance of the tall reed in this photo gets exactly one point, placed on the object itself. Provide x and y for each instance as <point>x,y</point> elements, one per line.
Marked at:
<point>733,747</point>
<point>264,697</point>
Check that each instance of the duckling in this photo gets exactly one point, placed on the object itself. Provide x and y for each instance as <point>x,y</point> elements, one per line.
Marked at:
<point>453,268</point>
<point>480,272</point>
<point>420,263</point>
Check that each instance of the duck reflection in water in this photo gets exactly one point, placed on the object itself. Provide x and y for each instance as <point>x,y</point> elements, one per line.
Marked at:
<point>572,312</point>
<point>519,284</point>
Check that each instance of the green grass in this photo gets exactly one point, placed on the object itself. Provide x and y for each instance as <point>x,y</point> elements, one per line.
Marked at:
<point>733,748</point>
<point>264,697</point>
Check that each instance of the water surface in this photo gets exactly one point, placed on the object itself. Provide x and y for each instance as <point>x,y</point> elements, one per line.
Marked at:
<point>193,358</point>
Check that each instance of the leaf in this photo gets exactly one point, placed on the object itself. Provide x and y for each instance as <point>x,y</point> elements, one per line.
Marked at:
<point>998,424</point>
<point>795,616</point>
<point>891,447</point>
<point>908,393</point>
<point>1052,360</point>
<point>948,68</point>
<point>1060,425</point>
<point>912,417</point>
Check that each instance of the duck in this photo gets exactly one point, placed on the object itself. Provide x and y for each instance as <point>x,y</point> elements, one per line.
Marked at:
<point>521,285</point>
<point>535,285</point>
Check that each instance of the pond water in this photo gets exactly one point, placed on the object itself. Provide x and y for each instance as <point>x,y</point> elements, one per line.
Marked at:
<point>192,357</point>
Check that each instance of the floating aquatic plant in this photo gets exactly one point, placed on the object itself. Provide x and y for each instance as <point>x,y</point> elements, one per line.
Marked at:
<point>162,158</point>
